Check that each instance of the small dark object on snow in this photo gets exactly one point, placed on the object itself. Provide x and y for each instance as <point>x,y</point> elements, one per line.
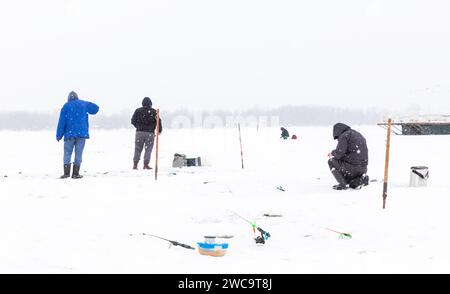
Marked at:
<point>264,235</point>
<point>221,237</point>
<point>294,137</point>
<point>5,176</point>
<point>209,182</point>
<point>180,160</point>
<point>341,234</point>
<point>281,189</point>
<point>194,161</point>
<point>272,215</point>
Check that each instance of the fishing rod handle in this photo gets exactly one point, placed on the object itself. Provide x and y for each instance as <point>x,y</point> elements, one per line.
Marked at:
<point>186,246</point>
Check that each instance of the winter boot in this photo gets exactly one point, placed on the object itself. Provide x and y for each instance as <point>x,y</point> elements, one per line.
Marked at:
<point>76,172</point>
<point>340,187</point>
<point>340,179</point>
<point>135,165</point>
<point>66,171</point>
<point>147,165</point>
<point>360,182</point>
<point>365,180</point>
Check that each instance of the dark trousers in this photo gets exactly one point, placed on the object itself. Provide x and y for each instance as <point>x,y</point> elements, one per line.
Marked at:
<point>142,139</point>
<point>345,172</point>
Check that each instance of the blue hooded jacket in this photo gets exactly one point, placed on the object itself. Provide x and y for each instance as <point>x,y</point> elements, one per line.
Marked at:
<point>73,119</point>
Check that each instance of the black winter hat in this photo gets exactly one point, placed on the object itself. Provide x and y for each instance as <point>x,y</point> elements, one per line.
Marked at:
<point>147,102</point>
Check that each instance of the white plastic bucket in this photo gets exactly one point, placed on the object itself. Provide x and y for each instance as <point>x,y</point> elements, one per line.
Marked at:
<point>419,176</point>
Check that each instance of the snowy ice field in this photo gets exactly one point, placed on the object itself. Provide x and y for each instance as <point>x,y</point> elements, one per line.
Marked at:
<point>49,225</point>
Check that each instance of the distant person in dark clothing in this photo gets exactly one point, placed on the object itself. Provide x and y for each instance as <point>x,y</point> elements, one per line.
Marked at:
<point>348,162</point>
<point>73,125</point>
<point>144,120</point>
<point>284,134</point>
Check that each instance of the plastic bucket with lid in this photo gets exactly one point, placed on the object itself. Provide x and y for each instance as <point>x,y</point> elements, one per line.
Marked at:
<point>419,176</point>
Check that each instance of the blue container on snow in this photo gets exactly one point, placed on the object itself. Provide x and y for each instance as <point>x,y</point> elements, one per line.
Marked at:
<point>210,248</point>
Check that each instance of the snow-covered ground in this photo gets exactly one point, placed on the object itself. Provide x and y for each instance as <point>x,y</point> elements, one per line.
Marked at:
<point>50,225</point>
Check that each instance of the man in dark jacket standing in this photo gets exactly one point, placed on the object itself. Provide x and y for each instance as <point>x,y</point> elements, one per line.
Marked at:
<point>144,120</point>
<point>73,125</point>
<point>348,162</point>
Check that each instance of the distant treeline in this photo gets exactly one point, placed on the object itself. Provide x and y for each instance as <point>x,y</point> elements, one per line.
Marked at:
<point>184,118</point>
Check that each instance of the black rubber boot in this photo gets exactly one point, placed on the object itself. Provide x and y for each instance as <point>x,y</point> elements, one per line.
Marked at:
<point>147,165</point>
<point>76,172</point>
<point>359,182</point>
<point>339,187</point>
<point>340,179</point>
<point>365,180</point>
<point>66,171</point>
<point>135,165</point>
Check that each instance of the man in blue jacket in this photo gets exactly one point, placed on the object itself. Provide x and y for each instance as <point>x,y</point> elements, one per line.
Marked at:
<point>73,125</point>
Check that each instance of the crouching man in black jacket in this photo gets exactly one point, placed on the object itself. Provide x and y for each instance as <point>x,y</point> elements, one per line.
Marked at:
<point>144,120</point>
<point>348,162</point>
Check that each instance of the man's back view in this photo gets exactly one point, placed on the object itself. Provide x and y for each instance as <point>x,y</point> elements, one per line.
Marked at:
<point>73,125</point>
<point>144,120</point>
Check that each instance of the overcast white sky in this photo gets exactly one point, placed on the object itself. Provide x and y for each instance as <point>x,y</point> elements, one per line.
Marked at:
<point>225,54</point>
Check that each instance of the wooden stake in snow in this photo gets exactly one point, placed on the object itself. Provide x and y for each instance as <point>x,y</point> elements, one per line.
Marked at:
<point>240,140</point>
<point>386,167</point>
<point>157,144</point>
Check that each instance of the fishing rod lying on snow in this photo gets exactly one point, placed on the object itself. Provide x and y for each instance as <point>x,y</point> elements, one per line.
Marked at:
<point>264,235</point>
<point>341,234</point>
<point>174,243</point>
